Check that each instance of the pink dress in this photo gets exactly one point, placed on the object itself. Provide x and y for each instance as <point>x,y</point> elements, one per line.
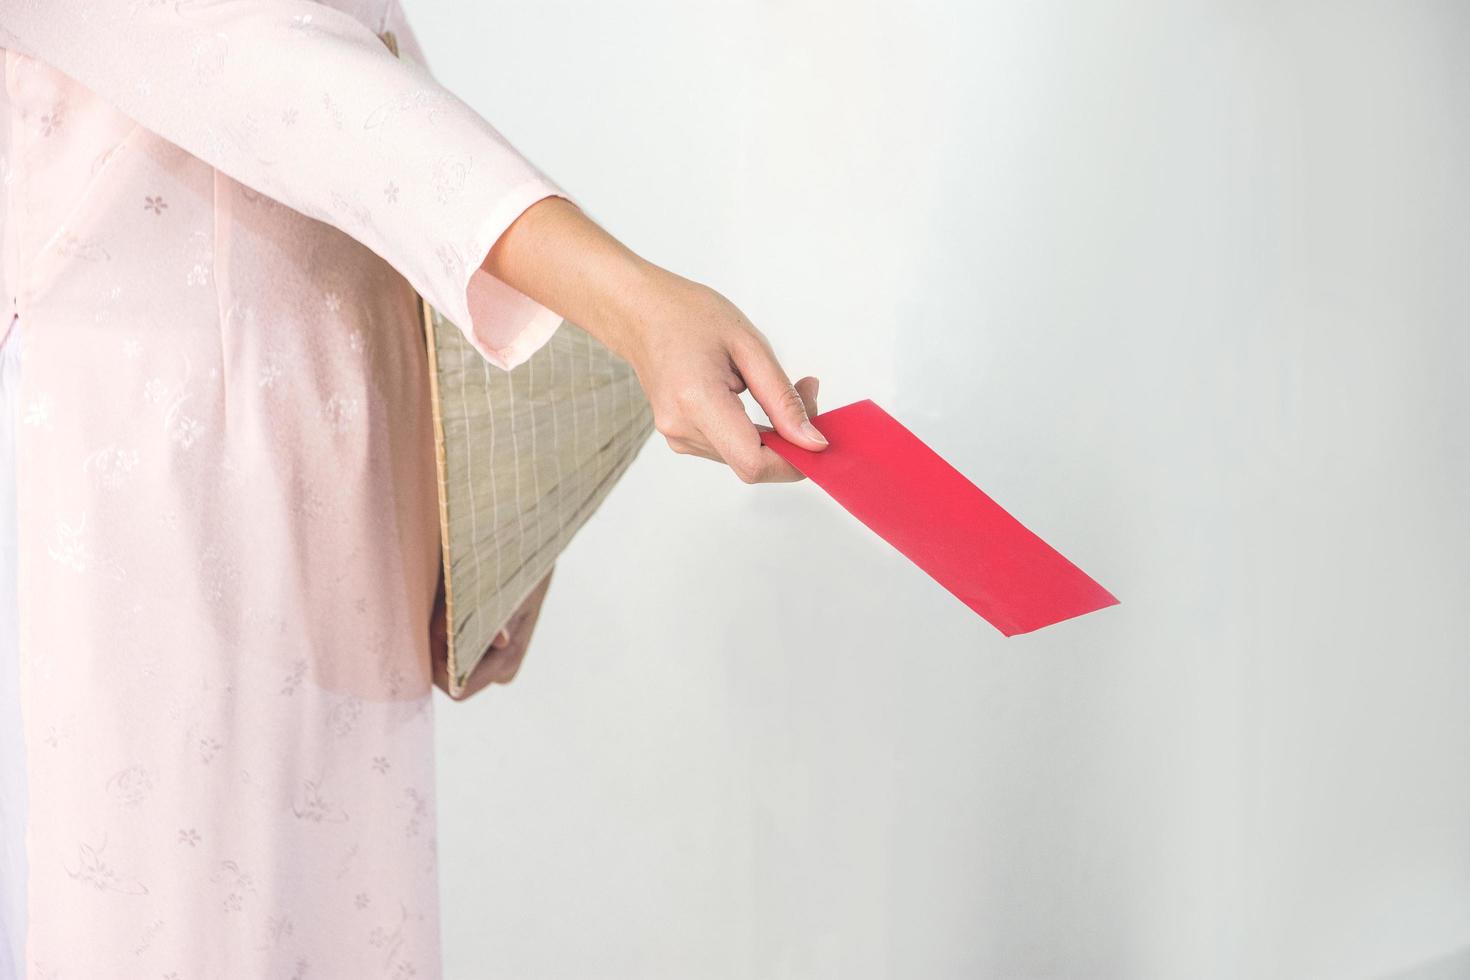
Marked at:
<point>214,215</point>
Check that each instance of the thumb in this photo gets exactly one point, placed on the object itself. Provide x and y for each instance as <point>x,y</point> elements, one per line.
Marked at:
<point>780,400</point>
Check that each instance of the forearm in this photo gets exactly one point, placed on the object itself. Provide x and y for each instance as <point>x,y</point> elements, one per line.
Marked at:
<point>565,261</point>
<point>693,350</point>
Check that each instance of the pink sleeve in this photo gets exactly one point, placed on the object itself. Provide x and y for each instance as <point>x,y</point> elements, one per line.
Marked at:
<point>304,103</point>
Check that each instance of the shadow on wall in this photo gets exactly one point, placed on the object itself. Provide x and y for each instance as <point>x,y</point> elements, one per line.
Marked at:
<point>1456,966</point>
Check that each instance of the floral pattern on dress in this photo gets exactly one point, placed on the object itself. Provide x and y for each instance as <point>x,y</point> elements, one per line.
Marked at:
<point>226,452</point>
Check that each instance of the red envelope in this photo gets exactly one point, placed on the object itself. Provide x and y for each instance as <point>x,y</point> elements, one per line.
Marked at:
<point>886,477</point>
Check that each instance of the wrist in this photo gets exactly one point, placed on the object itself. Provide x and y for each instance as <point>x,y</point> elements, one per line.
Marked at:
<point>635,301</point>
<point>561,258</point>
<point>623,287</point>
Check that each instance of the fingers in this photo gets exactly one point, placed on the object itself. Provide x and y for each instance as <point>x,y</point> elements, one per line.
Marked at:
<point>734,440</point>
<point>807,388</point>
<point>508,649</point>
<point>753,462</point>
<point>782,402</point>
<point>501,665</point>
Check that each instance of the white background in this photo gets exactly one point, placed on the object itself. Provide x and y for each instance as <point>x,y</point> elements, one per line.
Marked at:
<point>1186,286</point>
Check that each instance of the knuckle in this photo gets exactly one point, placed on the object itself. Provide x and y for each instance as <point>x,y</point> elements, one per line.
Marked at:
<point>747,471</point>
<point>689,395</point>
<point>790,399</point>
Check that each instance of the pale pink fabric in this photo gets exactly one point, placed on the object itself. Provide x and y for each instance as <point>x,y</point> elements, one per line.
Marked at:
<point>227,528</point>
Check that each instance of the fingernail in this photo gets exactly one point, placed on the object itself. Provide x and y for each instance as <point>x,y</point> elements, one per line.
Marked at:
<point>816,386</point>
<point>812,432</point>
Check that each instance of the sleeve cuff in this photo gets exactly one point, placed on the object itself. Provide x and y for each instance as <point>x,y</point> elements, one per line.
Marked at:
<point>503,324</point>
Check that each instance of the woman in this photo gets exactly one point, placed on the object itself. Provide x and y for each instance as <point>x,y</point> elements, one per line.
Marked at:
<point>215,216</point>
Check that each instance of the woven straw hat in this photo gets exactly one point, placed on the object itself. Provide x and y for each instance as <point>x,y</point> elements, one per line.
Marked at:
<point>524,458</point>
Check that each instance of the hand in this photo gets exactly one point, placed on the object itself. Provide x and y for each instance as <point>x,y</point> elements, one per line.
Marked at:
<point>507,650</point>
<point>694,354</point>
<point>693,351</point>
